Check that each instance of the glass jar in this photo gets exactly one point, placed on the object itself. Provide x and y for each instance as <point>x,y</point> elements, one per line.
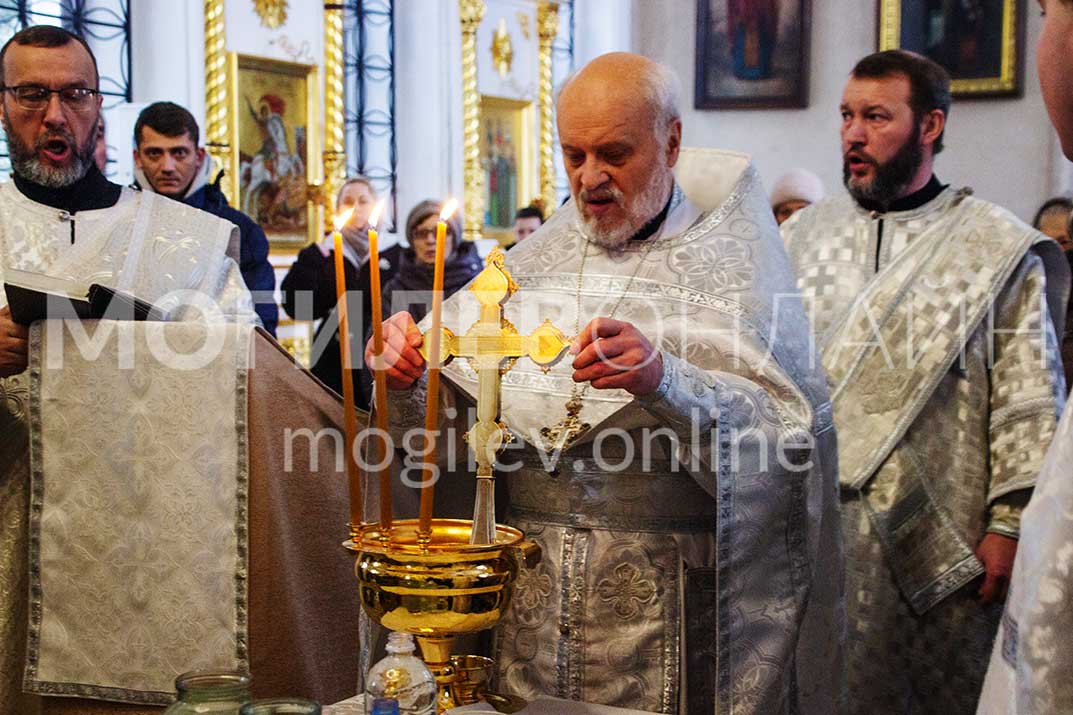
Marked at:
<point>210,692</point>
<point>281,706</point>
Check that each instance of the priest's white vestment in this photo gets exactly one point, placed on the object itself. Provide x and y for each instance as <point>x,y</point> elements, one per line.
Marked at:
<point>156,249</point>
<point>691,557</point>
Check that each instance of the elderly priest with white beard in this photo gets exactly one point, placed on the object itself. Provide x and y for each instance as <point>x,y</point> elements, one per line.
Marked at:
<point>61,218</point>
<point>678,470</point>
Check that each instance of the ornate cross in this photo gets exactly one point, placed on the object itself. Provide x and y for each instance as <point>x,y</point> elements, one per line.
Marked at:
<point>492,345</point>
<point>562,435</point>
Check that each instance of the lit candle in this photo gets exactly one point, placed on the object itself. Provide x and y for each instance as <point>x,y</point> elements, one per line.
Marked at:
<point>379,373</point>
<point>432,407</point>
<point>350,417</point>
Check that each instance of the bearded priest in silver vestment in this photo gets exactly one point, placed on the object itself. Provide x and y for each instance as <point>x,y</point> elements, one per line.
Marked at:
<point>1033,654</point>
<point>934,314</point>
<point>60,217</point>
<point>691,559</point>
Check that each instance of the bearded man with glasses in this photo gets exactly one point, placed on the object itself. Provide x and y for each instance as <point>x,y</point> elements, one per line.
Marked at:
<point>60,217</point>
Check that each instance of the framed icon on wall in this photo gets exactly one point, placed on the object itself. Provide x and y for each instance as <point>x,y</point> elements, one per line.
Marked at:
<point>507,162</point>
<point>752,54</point>
<point>276,149</point>
<point>979,42</point>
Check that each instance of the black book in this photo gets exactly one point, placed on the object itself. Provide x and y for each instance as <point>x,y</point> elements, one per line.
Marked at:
<point>36,296</point>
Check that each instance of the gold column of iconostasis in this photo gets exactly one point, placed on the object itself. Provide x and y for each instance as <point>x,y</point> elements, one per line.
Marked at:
<point>508,129</point>
<point>264,128</point>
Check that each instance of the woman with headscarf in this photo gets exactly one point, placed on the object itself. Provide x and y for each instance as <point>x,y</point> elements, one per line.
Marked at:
<point>411,288</point>
<point>309,287</point>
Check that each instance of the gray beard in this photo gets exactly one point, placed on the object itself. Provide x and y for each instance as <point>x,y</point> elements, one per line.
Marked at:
<point>648,204</point>
<point>25,163</point>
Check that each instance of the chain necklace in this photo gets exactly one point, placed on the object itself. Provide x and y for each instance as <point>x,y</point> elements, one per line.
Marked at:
<point>562,435</point>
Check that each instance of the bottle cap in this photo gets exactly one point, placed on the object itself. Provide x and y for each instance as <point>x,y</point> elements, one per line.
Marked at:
<point>385,706</point>
<point>399,643</point>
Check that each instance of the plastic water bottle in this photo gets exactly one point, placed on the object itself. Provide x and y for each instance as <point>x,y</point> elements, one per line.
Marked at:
<point>402,676</point>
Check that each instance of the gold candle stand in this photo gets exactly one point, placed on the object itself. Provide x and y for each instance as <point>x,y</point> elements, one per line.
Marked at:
<point>459,577</point>
<point>439,590</point>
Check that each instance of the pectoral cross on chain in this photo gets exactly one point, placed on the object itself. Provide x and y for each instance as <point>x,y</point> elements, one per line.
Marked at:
<point>492,345</point>
<point>562,435</point>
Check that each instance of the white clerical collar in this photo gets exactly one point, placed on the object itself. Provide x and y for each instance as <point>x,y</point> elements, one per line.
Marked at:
<point>683,214</point>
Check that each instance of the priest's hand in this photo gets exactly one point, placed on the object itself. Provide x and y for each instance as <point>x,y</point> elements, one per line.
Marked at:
<point>614,354</point>
<point>14,342</point>
<point>404,365</point>
<point>997,553</point>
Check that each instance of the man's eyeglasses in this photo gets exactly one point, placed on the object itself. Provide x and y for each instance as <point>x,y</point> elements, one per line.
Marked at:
<point>33,98</point>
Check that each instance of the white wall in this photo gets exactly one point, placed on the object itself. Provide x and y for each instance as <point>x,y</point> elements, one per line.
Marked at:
<point>522,82</point>
<point>1004,149</point>
<point>299,39</point>
<point>168,53</point>
<point>428,102</point>
<point>167,64</point>
<point>602,26</point>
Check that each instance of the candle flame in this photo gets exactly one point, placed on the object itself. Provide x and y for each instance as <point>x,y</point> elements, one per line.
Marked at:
<point>341,219</point>
<point>374,217</point>
<point>448,209</point>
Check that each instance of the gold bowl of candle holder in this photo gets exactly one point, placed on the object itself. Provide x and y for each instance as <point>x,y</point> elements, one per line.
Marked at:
<point>439,588</point>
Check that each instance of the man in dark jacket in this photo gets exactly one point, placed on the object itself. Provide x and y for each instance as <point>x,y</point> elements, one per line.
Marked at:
<point>169,162</point>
